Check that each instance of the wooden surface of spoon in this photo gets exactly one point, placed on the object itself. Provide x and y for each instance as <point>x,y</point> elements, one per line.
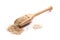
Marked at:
<point>28,18</point>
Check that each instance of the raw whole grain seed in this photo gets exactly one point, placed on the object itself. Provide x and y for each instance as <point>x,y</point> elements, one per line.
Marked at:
<point>37,26</point>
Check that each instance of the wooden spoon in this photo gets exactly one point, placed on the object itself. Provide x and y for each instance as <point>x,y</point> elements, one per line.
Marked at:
<point>26,19</point>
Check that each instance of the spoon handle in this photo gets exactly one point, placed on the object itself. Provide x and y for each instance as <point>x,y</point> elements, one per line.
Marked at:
<point>47,9</point>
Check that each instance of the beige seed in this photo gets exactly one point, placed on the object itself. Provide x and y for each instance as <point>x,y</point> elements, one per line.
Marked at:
<point>37,26</point>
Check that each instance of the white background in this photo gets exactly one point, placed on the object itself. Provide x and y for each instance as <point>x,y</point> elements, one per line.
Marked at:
<point>50,21</point>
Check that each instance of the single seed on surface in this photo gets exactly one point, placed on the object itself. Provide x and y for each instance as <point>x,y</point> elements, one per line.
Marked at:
<point>37,26</point>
